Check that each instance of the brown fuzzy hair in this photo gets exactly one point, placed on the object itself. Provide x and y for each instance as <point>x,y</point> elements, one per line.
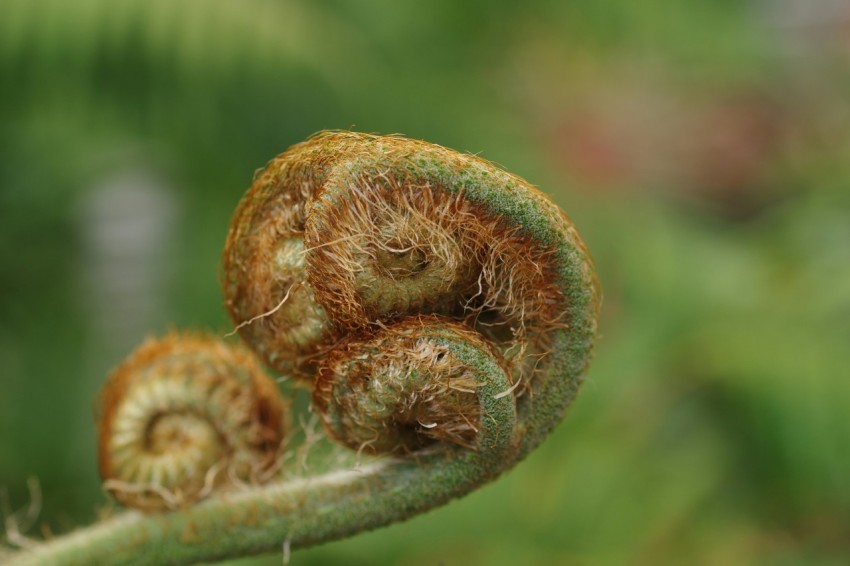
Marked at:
<point>183,414</point>
<point>400,388</point>
<point>380,243</point>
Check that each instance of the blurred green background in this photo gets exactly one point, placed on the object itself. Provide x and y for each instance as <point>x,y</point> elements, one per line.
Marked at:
<point>702,148</point>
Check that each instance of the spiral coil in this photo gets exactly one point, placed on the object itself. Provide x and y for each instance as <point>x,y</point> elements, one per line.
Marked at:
<point>184,415</point>
<point>441,311</point>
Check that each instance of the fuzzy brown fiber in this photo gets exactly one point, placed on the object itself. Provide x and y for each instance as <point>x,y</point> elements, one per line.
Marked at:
<point>381,242</point>
<point>185,414</point>
<point>401,388</point>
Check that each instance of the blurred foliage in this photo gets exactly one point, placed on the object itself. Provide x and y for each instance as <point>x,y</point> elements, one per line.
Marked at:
<point>700,147</point>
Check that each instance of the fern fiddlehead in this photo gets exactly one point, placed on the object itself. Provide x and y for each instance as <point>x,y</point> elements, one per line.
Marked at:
<point>441,310</point>
<point>185,415</point>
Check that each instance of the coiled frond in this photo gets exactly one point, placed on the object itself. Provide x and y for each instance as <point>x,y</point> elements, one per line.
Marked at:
<point>441,310</point>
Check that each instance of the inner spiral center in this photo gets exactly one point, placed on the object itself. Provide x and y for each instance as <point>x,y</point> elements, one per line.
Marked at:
<point>399,261</point>
<point>170,432</point>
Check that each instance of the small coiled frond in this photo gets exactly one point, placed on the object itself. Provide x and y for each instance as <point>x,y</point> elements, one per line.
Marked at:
<point>184,415</point>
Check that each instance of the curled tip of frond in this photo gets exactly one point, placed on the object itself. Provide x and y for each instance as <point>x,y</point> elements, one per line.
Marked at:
<point>402,388</point>
<point>185,414</point>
